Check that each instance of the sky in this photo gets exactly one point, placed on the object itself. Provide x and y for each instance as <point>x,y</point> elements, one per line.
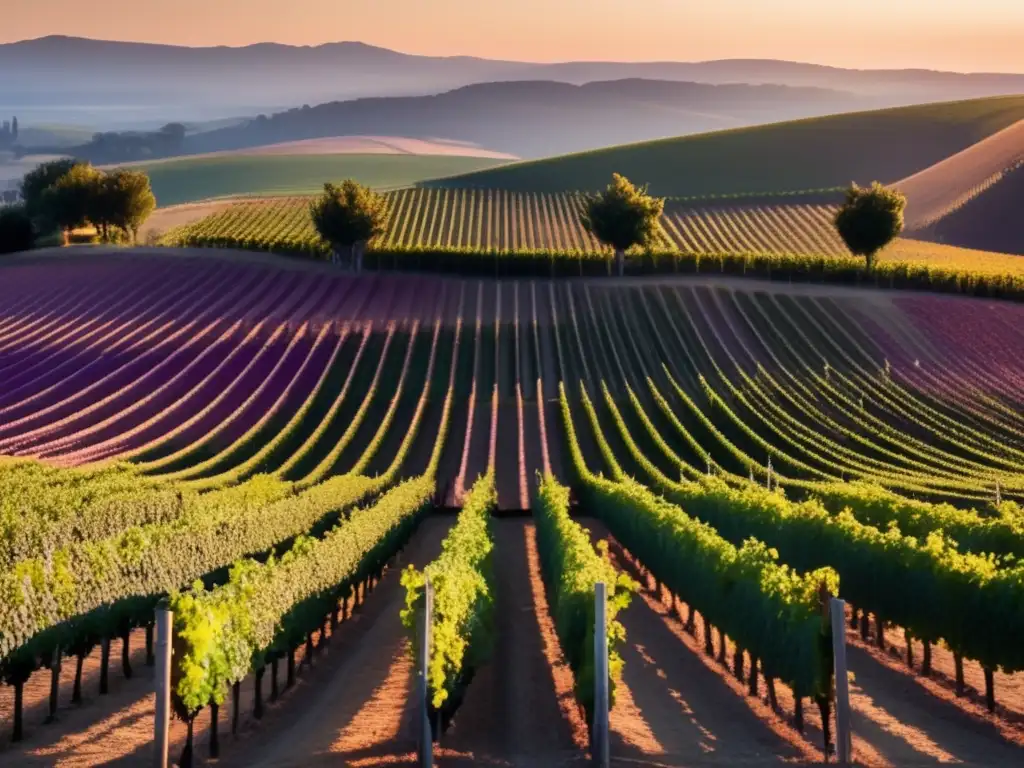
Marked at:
<point>958,35</point>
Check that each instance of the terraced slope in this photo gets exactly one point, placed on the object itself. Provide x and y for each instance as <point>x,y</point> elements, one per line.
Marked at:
<point>883,145</point>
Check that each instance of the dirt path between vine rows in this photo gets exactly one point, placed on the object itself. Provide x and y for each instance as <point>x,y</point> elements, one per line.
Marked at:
<point>519,708</point>
<point>356,709</point>
<point>895,721</point>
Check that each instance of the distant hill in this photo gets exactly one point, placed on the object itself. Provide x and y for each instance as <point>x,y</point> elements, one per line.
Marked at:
<point>537,118</point>
<point>884,145</point>
<point>121,84</point>
<point>990,220</point>
<point>944,187</point>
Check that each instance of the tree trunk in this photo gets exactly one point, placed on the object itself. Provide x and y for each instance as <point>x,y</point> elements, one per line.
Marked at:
<point>709,647</point>
<point>257,709</point>
<point>721,648</point>
<point>274,691</point>
<point>825,708</point>
<point>290,678</point>
<point>926,658</point>
<point>958,663</point>
<point>126,660</point>
<point>880,631</point>
<point>236,703</point>
<point>76,691</point>
<point>214,730</point>
<point>186,753</point>
<point>737,664</point>
<point>104,664</point>
<point>18,733</point>
<point>865,628</point>
<point>752,687</point>
<point>853,619</point>
<point>620,261</point>
<point>798,714</point>
<point>55,665</point>
<point>307,657</point>
<point>990,689</point>
<point>773,699</point>
<point>910,648</point>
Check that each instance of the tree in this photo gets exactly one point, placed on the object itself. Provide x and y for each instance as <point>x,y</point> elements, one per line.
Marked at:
<point>349,215</point>
<point>14,130</point>
<point>68,203</point>
<point>16,233</point>
<point>870,219</point>
<point>622,216</point>
<point>127,198</point>
<point>37,181</point>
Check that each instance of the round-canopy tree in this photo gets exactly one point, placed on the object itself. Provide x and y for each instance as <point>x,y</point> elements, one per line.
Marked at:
<point>347,216</point>
<point>70,200</point>
<point>869,219</point>
<point>41,178</point>
<point>16,232</point>
<point>125,201</point>
<point>622,216</point>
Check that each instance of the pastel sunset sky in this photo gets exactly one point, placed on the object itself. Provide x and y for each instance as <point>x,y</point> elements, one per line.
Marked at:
<point>961,35</point>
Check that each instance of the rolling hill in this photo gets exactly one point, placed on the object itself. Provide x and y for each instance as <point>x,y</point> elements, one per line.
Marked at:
<point>944,187</point>
<point>188,179</point>
<point>990,220</point>
<point>884,145</point>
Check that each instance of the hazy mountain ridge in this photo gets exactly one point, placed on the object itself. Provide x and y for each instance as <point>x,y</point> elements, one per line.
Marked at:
<point>139,77</point>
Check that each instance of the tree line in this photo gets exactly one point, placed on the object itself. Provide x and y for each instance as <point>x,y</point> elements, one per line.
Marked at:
<point>63,195</point>
<point>623,216</point>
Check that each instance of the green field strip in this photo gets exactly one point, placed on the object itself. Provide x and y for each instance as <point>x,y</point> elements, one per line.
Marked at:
<point>676,403</point>
<point>998,429</point>
<point>442,388</point>
<point>411,399</point>
<point>936,425</point>
<point>331,399</point>
<point>567,351</point>
<point>473,396</point>
<point>747,414</point>
<point>633,412</point>
<point>322,450</point>
<point>730,456</point>
<point>942,462</point>
<point>839,404</point>
<point>673,439</point>
<point>380,401</point>
<point>277,455</point>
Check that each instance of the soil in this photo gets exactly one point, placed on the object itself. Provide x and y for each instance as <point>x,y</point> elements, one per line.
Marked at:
<point>519,709</point>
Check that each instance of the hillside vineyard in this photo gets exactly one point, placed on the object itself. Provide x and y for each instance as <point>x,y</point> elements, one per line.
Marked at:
<point>514,233</point>
<point>236,407</point>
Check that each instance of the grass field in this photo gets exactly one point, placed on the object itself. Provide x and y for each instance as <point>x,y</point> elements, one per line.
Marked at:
<point>884,145</point>
<point>193,414</point>
<point>187,180</point>
<point>482,221</point>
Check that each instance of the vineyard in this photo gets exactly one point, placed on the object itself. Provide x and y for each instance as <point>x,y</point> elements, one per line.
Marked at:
<point>492,231</point>
<point>281,450</point>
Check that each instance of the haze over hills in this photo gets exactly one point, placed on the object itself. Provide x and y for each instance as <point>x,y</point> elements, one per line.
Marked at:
<point>121,84</point>
<point>537,118</point>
